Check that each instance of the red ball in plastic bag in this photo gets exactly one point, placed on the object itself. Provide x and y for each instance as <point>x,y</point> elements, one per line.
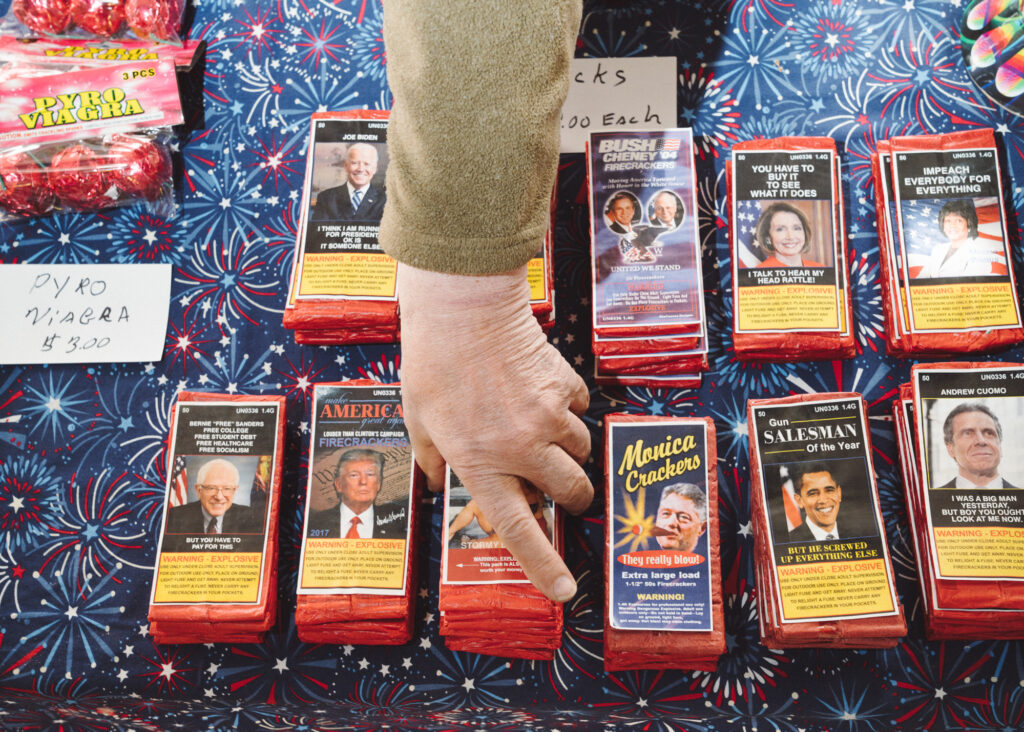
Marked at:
<point>43,16</point>
<point>99,17</point>
<point>139,167</point>
<point>79,179</point>
<point>156,18</point>
<point>23,185</point>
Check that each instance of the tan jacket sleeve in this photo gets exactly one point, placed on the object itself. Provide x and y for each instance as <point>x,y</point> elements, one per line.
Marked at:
<point>473,141</point>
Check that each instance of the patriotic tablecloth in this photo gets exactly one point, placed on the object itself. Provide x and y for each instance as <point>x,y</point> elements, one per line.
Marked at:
<point>83,453</point>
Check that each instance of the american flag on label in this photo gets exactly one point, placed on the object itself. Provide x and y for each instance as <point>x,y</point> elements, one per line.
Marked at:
<point>669,143</point>
<point>793,515</point>
<point>179,483</point>
<point>745,231</point>
<point>921,232</point>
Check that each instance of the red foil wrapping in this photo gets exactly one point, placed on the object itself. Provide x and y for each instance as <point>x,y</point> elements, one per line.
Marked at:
<point>77,178</point>
<point>99,17</point>
<point>24,185</point>
<point>139,167</point>
<point>154,18</point>
<point>43,16</point>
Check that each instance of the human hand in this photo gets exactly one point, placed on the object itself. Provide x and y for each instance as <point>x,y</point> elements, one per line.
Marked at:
<point>483,388</point>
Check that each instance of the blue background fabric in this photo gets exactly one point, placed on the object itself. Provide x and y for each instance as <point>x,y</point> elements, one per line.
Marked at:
<point>83,447</point>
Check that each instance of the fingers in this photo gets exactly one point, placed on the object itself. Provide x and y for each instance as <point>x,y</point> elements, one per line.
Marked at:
<point>501,499</point>
<point>579,396</point>
<point>560,477</point>
<point>426,454</point>
<point>575,439</point>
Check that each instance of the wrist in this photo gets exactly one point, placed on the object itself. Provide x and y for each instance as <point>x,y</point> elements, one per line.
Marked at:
<point>423,293</point>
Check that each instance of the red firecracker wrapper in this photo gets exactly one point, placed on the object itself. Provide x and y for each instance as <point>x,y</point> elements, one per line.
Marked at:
<point>944,292</point>
<point>679,380</point>
<point>357,573</point>
<point>23,186</point>
<point>349,318</point>
<point>98,17</point>
<point>653,345</point>
<point>547,321</point>
<point>77,166</point>
<point>824,575</point>
<point>790,294</point>
<point>139,166</point>
<point>154,19</point>
<point>966,415</point>
<point>344,336</point>
<point>163,636</point>
<point>360,633</point>
<point>129,20</point>
<point>487,604</point>
<point>78,178</point>
<point>942,622</point>
<point>47,17</point>
<point>219,504</point>
<point>645,243</point>
<point>342,283</point>
<point>662,544</point>
<point>661,364</point>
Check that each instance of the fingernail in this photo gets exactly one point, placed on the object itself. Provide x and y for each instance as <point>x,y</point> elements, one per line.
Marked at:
<point>564,589</point>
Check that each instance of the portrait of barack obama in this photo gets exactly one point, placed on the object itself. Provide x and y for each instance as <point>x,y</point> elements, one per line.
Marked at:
<point>358,476</point>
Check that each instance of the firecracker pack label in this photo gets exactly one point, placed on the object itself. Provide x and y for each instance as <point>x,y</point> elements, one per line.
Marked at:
<point>659,572</point>
<point>828,554</point>
<point>647,267</point>
<point>220,477</point>
<point>842,277</point>
<point>898,285</point>
<point>472,553</point>
<point>951,229</point>
<point>965,418</point>
<point>787,263</point>
<point>537,276</point>
<point>89,102</point>
<point>339,255</point>
<point>89,52</point>
<point>359,494</point>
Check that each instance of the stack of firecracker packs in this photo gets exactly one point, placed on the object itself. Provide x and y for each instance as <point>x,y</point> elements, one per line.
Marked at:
<point>357,570</point>
<point>824,574</point>
<point>649,325</point>
<point>486,602</point>
<point>953,424</point>
<point>93,128</point>
<point>947,286</point>
<point>663,580</point>
<point>344,287</point>
<point>156,21</point>
<point>215,579</point>
<point>947,276</point>
<point>790,287</point>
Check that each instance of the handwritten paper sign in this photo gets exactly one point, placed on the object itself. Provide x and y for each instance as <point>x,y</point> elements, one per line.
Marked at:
<point>83,313</point>
<point>621,93</point>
